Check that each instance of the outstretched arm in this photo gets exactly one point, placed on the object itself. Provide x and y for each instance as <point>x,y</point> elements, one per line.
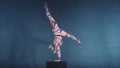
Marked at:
<point>64,33</point>
<point>52,21</point>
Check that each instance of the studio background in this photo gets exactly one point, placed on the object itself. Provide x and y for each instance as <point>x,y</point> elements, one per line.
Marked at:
<point>25,33</point>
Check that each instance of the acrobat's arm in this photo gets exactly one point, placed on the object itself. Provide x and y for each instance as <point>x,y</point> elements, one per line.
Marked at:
<point>52,21</point>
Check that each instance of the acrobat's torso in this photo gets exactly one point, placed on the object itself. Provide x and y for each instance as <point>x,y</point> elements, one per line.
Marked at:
<point>57,35</point>
<point>56,30</point>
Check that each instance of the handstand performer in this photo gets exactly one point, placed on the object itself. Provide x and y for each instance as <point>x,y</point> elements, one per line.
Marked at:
<point>58,34</point>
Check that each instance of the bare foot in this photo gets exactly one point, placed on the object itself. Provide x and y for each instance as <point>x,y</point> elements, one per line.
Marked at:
<point>79,41</point>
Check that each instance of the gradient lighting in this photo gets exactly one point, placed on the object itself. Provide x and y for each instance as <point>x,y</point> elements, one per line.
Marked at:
<point>25,33</point>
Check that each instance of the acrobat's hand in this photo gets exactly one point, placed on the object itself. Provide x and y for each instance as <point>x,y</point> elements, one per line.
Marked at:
<point>79,41</point>
<point>45,5</point>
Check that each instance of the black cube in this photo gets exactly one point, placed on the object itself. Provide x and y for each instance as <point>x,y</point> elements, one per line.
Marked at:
<point>54,64</point>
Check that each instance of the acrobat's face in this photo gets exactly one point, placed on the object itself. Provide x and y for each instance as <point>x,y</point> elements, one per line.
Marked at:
<point>51,47</point>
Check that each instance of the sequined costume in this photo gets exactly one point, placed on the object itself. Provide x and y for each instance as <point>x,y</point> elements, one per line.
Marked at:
<point>58,34</point>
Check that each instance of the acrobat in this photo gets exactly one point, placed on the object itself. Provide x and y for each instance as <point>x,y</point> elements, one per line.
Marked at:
<point>58,34</point>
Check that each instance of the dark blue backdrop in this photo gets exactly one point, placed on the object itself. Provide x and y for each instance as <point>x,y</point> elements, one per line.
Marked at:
<point>25,33</point>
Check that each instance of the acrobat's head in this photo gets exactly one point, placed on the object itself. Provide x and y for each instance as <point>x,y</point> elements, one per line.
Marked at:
<point>51,47</point>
